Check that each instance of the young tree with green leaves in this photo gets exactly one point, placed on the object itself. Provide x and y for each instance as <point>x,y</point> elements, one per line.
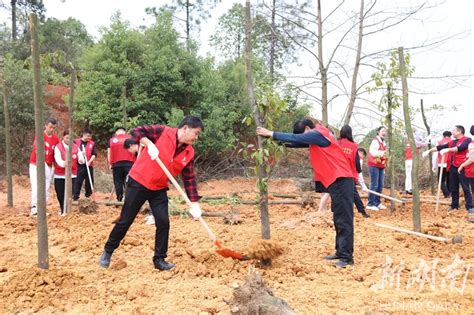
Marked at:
<point>8,145</point>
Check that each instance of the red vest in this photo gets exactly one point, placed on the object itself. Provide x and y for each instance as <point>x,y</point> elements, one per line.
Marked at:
<point>49,143</point>
<point>117,151</point>
<point>469,170</point>
<point>329,163</point>
<point>89,147</point>
<point>447,156</point>
<point>58,170</point>
<point>350,150</point>
<point>148,173</point>
<point>378,162</point>
<point>457,157</point>
<point>409,153</point>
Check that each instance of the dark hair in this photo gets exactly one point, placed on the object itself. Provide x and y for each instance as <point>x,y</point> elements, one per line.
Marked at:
<point>472,130</point>
<point>119,128</point>
<point>65,132</point>
<point>51,121</point>
<point>380,128</point>
<point>460,128</point>
<point>87,130</point>
<point>128,143</point>
<point>301,124</point>
<point>346,133</point>
<point>192,122</point>
<point>362,150</point>
<point>447,134</point>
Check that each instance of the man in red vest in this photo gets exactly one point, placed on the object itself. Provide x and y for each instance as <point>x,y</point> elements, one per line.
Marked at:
<point>85,144</point>
<point>120,160</point>
<point>60,164</point>
<point>409,161</point>
<point>50,141</point>
<point>147,182</point>
<point>332,169</point>
<point>458,149</point>
<point>442,167</point>
<point>377,162</point>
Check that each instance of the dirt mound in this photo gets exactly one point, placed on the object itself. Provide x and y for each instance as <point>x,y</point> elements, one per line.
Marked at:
<point>87,206</point>
<point>265,249</point>
<point>254,297</point>
<point>34,289</point>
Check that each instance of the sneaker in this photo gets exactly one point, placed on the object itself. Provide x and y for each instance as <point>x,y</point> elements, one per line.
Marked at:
<point>150,220</point>
<point>344,263</point>
<point>33,211</point>
<point>408,192</point>
<point>471,210</point>
<point>331,257</point>
<point>381,207</point>
<point>373,208</point>
<point>161,264</point>
<point>104,261</point>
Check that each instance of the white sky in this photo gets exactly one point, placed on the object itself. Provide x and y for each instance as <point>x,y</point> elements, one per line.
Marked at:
<point>454,58</point>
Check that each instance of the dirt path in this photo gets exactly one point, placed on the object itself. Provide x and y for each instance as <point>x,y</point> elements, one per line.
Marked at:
<point>202,280</point>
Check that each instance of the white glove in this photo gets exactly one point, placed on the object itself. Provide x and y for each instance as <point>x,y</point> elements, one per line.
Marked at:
<point>434,169</point>
<point>195,210</point>
<point>425,153</point>
<point>444,151</point>
<point>152,151</point>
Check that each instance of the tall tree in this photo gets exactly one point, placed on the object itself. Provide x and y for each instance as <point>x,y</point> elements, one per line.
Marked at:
<point>8,145</point>
<point>404,72</point>
<point>68,175</point>
<point>428,130</point>
<point>42,226</point>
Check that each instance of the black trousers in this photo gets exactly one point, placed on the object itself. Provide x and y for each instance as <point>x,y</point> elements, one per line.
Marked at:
<point>358,201</point>
<point>342,203</point>
<point>60,187</point>
<point>444,182</point>
<point>456,179</point>
<point>81,177</point>
<point>135,197</point>
<point>120,174</point>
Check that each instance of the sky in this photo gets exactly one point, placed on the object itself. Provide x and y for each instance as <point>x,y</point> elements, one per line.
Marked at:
<point>453,58</point>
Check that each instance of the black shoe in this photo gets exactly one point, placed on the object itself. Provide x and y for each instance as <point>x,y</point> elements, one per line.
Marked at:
<point>365,214</point>
<point>344,263</point>
<point>408,192</point>
<point>331,257</point>
<point>105,259</point>
<point>161,264</point>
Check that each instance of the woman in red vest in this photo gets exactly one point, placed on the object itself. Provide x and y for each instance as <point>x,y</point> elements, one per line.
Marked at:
<point>350,149</point>
<point>458,149</point>
<point>120,160</point>
<point>85,144</point>
<point>60,164</point>
<point>377,162</point>
<point>330,167</point>
<point>147,182</point>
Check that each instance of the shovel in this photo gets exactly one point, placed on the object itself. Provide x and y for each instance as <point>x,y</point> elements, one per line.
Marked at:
<point>224,252</point>
<point>439,184</point>
<point>385,196</point>
<point>88,173</point>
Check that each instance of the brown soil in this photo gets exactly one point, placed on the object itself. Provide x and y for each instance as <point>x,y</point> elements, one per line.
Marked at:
<point>203,280</point>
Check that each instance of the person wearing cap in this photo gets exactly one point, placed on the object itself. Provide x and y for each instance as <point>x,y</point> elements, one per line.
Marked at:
<point>87,146</point>
<point>120,160</point>
<point>330,167</point>
<point>148,182</point>
<point>458,149</point>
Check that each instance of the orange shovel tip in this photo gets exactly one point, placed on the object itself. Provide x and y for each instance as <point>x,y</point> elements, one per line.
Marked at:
<point>228,253</point>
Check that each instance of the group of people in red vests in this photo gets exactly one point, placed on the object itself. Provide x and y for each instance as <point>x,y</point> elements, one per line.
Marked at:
<point>336,164</point>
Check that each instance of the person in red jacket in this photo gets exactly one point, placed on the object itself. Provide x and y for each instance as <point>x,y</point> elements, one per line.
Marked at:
<point>468,167</point>
<point>85,144</point>
<point>458,149</point>
<point>350,149</point>
<point>50,141</point>
<point>60,164</point>
<point>330,167</point>
<point>441,167</point>
<point>377,161</point>
<point>147,182</point>
<point>419,143</point>
<point>120,160</point>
